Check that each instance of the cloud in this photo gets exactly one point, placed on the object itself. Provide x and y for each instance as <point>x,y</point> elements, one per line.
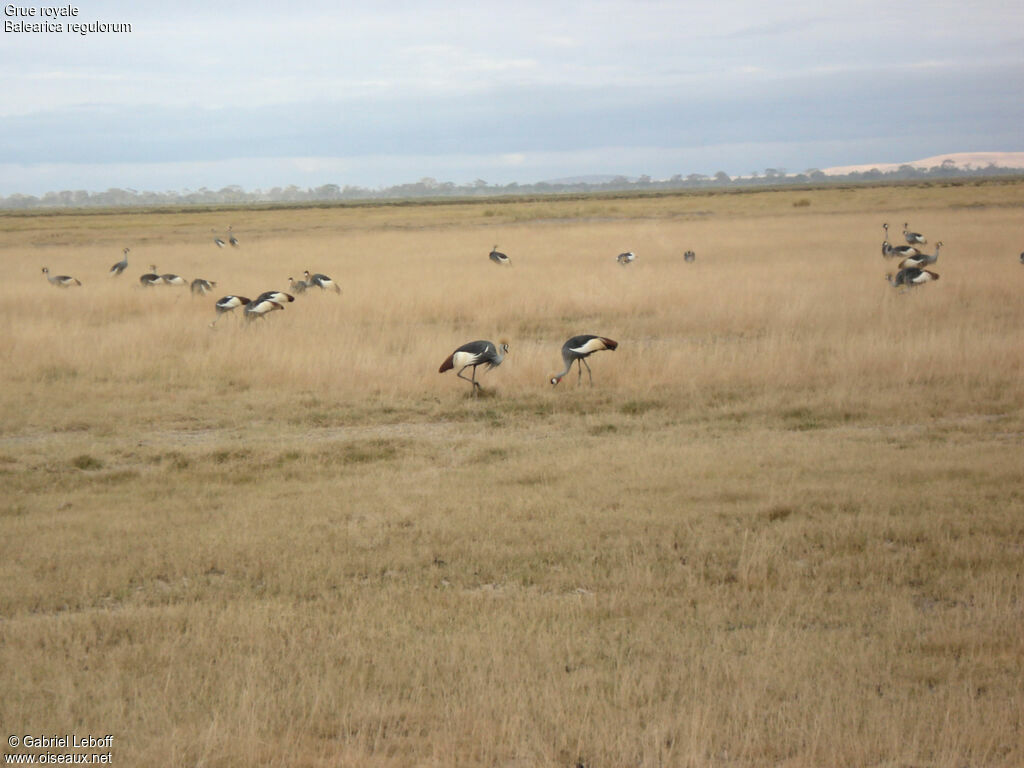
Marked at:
<point>227,86</point>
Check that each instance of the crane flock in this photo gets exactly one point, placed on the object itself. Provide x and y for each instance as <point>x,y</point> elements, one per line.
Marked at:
<point>912,272</point>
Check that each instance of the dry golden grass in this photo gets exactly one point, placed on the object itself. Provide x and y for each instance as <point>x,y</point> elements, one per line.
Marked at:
<point>784,527</point>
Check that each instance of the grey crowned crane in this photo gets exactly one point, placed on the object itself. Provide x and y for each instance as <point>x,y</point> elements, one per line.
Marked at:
<point>498,257</point>
<point>218,241</point>
<point>909,277</point>
<point>279,296</point>
<point>229,304</point>
<point>897,251</point>
<point>121,266</point>
<point>261,308</point>
<point>172,279</point>
<point>473,354</point>
<point>689,257</point>
<point>914,238</point>
<point>231,238</point>
<point>61,281</point>
<point>1022,257</point>
<point>151,277</point>
<point>297,286</point>
<point>201,287</point>
<point>626,258</point>
<point>323,282</point>
<point>922,259</point>
<point>577,349</point>
<point>904,251</point>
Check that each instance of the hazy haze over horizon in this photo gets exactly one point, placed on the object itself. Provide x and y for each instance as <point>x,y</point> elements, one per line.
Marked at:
<point>262,95</point>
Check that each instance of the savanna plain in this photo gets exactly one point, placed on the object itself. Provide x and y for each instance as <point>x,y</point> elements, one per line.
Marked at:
<point>784,527</point>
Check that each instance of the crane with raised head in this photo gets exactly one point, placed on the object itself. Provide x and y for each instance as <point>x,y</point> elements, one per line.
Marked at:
<point>890,251</point>
<point>323,282</point>
<point>61,281</point>
<point>922,259</point>
<point>914,238</point>
<point>120,266</point>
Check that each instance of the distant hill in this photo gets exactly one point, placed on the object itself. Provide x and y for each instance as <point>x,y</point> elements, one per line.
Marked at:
<point>963,160</point>
<point>594,178</point>
<point>955,165</point>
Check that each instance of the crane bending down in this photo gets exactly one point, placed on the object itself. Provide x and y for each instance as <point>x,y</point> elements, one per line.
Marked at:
<point>498,257</point>
<point>577,349</point>
<point>201,287</point>
<point>626,258</point>
<point>261,308</point>
<point>280,297</point>
<point>151,277</point>
<point>229,304</point>
<point>473,354</point>
<point>908,277</point>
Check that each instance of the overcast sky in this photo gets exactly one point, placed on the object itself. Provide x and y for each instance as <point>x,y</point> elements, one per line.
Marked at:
<point>385,92</point>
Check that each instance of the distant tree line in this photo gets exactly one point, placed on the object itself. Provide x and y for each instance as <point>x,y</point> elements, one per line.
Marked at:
<point>431,188</point>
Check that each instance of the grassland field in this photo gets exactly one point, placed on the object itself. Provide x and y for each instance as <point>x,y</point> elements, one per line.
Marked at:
<point>784,527</point>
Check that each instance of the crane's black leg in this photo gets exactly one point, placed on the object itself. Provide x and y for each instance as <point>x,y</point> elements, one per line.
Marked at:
<point>579,371</point>
<point>471,381</point>
<point>591,375</point>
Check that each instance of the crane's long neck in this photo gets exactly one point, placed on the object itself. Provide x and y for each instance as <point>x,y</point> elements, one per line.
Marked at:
<point>568,367</point>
